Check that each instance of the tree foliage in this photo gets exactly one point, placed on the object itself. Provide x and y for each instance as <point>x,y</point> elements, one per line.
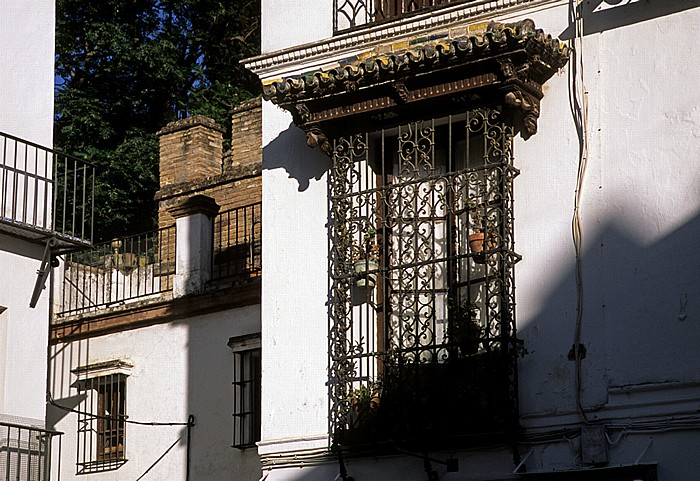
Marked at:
<point>126,69</point>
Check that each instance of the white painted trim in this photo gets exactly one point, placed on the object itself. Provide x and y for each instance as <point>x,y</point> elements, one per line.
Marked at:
<point>299,58</point>
<point>101,369</point>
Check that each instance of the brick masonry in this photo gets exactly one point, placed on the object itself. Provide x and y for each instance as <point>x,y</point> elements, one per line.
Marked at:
<point>246,134</point>
<point>190,150</point>
<point>192,163</point>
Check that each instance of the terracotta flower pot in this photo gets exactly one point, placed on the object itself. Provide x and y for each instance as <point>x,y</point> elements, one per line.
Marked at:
<point>476,242</point>
<point>476,246</point>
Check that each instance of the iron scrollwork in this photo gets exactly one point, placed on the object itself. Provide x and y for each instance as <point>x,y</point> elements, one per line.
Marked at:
<point>429,349</point>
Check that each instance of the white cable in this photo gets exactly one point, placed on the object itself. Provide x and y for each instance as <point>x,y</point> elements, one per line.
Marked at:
<point>576,220</point>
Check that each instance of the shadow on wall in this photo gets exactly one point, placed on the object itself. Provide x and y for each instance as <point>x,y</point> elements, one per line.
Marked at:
<point>602,15</point>
<point>209,393</point>
<point>291,144</point>
<point>640,320</point>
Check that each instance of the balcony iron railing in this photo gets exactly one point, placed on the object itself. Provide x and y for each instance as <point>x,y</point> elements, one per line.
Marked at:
<point>25,452</point>
<point>121,270</point>
<point>140,266</point>
<point>237,247</point>
<point>45,193</point>
<point>349,14</point>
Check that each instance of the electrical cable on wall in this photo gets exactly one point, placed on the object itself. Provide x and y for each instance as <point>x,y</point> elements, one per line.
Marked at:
<point>580,111</point>
<point>189,423</point>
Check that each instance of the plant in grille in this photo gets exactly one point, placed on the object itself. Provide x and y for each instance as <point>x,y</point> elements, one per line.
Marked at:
<point>438,330</point>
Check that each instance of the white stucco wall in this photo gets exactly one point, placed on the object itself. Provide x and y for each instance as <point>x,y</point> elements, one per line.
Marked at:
<point>640,220</point>
<point>287,22</point>
<point>26,63</point>
<point>294,301</point>
<point>26,106</point>
<point>179,368</point>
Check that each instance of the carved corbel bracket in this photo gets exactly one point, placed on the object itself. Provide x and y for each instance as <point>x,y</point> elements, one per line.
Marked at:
<point>315,137</point>
<point>400,91</point>
<point>525,98</point>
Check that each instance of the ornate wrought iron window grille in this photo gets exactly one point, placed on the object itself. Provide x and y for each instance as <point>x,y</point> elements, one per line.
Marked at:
<point>422,339</point>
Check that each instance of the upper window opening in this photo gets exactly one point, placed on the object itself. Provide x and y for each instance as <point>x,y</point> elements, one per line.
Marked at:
<point>354,13</point>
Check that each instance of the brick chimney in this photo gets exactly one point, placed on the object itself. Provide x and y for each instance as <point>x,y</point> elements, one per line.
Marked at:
<point>246,128</point>
<point>190,150</point>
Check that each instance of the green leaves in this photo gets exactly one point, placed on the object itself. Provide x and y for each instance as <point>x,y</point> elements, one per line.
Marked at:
<point>128,67</point>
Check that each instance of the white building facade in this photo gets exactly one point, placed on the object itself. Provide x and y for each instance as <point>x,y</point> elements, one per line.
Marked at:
<point>483,268</point>
<point>29,184</point>
<point>154,364</point>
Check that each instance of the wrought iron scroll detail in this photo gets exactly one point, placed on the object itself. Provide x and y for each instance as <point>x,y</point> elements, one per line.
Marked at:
<point>422,323</point>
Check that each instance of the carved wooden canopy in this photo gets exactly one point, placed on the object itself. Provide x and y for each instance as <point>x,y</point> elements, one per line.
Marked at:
<point>504,64</point>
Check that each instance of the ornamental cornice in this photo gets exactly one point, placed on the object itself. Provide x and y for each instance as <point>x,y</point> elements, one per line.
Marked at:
<point>393,62</point>
<point>502,64</point>
<point>472,14</point>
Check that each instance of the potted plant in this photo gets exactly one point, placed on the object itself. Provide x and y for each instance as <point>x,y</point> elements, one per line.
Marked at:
<point>364,404</point>
<point>465,330</point>
<point>483,236</point>
<point>366,260</point>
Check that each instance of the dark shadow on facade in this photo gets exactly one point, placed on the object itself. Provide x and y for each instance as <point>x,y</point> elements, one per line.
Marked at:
<point>638,323</point>
<point>291,144</point>
<point>602,15</point>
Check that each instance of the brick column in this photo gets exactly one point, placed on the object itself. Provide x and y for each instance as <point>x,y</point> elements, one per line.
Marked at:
<point>190,150</point>
<point>195,244</point>
<point>246,134</point>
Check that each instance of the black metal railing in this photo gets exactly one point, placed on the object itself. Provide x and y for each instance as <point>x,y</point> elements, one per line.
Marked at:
<point>237,246</point>
<point>136,267</point>
<point>45,193</point>
<point>349,14</point>
<point>25,452</point>
<point>114,272</point>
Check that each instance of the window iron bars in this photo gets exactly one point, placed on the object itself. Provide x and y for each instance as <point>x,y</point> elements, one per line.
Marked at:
<point>246,396</point>
<point>349,14</point>
<point>101,424</point>
<point>436,334</point>
<point>45,192</point>
<point>25,452</point>
<point>117,271</point>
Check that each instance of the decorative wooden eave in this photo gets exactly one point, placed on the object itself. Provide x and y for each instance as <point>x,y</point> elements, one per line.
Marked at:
<point>503,63</point>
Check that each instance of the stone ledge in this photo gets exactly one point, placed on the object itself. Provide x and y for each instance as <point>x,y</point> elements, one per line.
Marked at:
<point>154,311</point>
<point>236,173</point>
<point>188,123</point>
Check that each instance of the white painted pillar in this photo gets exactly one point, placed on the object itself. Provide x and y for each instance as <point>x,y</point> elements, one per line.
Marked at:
<point>194,244</point>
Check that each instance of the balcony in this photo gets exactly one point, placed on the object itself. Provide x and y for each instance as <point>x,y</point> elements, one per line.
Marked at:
<point>349,14</point>
<point>45,194</point>
<point>142,267</point>
<point>25,452</point>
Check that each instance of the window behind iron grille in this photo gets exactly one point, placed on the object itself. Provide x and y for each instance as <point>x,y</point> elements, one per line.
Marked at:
<point>101,424</point>
<point>409,355</point>
<point>246,390</point>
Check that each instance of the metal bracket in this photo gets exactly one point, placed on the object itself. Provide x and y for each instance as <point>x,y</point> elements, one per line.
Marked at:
<point>47,262</point>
